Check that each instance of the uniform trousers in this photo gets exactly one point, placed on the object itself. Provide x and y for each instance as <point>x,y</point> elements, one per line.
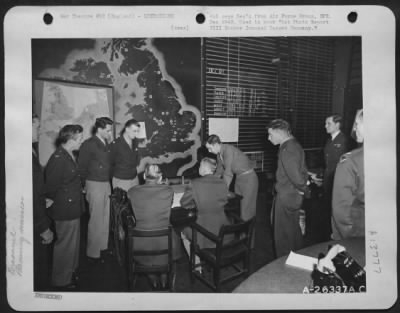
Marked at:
<point>246,185</point>
<point>125,184</point>
<point>41,255</point>
<point>98,195</point>
<point>287,231</point>
<point>66,251</point>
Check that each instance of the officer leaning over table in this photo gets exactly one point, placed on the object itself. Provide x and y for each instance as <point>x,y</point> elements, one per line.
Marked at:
<point>233,162</point>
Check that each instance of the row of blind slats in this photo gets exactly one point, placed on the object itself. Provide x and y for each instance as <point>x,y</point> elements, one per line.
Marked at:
<point>289,78</point>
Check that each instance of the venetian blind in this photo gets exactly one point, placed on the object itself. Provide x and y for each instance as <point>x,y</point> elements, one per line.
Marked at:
<point>241,82</point>
<point>258,79</point>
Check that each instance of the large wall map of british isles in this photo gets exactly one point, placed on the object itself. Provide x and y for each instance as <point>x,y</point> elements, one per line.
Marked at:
<point>143,89</point>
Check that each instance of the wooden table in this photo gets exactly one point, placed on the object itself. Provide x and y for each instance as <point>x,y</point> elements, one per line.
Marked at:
<point>233,204</point>
<point>277,277</point>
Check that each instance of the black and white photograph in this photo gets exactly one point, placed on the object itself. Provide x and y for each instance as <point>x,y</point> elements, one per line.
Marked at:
<point>224,163</point>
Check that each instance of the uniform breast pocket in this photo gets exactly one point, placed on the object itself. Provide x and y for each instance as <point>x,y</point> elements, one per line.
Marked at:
<point>65,198</point>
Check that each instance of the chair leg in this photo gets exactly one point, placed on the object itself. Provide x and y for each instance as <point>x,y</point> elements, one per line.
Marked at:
<point>131,277</point>
<point>134,279</point>
<point>172,277</point>
<point>191,264</point>
<point>216,276</point>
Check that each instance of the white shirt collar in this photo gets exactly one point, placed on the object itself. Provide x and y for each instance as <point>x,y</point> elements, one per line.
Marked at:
<point>335,134</point>
<point>101,139</point>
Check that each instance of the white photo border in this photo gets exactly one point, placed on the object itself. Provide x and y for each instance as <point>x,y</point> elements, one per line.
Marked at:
<point>376,26</point>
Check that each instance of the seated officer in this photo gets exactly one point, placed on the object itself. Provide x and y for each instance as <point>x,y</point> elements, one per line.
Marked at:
<point>151,204</point>
<point>209,194</point>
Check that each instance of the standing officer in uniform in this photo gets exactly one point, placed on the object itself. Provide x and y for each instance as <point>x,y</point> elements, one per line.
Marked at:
<point>290,187</point>
<point>125,157</point>
<point>335,147</point>
<point>348,205</point>
<point>94,169</point>
<point>42,235</point>
<point>63,186</point>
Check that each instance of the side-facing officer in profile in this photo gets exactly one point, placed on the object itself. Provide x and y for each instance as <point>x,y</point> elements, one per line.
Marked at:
<point>336,145</point>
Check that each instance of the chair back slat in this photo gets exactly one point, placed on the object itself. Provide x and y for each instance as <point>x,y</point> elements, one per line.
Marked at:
<point>242,227</point>
<point>150,233</point>
<point>234,243</point>
<point>150,252</point>
<point>143,268</point>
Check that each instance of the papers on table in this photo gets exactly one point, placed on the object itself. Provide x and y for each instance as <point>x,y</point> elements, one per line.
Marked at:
<point>177,199</point>
<point>301,261</point>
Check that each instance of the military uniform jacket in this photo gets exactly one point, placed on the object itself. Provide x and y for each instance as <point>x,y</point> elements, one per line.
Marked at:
<point>333,150</point>
<point>40,218</point>
<point>63,186</point>
<point>210,195</point>
<point>94,160</point>
<point>348,206</point>
<point>291,174</point>
<point>231,161</point>
<point>124,159</point>
<point>151,204</point>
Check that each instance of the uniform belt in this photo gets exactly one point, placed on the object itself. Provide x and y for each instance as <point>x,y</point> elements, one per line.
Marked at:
<point>246,172</point>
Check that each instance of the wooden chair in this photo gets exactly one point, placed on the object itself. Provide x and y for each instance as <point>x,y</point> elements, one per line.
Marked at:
<point>120,209</point>
<point>225,254</point>
<point>135,268</point>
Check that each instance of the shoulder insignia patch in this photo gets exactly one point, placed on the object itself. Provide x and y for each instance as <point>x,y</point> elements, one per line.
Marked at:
<point>344,157</point>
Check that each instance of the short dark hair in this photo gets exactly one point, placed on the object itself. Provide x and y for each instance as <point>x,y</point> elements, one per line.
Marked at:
<point>280,124</point>
<point>102,122</point>
<point>129,123</point>
<point>213,139</point>
<point>35,116</point>
<point>68,132</point>
<point>336,118</point>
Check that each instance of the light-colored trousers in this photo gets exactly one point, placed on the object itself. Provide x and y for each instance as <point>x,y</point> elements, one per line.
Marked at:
<point>66,251</point>
<point>98,196</point>
<point>125,184</point>
<point>246,185</point>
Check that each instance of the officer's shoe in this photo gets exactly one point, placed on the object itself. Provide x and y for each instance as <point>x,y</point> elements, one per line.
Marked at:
<point>69,287</point>
<point>95,261</point>
<point>107,252</point>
